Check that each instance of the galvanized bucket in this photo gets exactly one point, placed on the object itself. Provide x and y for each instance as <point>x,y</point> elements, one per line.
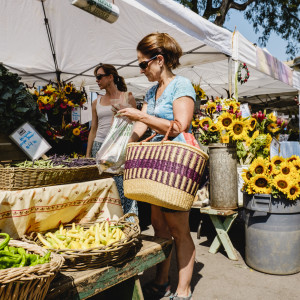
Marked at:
<point>272,234</point>
<point>223,176</point>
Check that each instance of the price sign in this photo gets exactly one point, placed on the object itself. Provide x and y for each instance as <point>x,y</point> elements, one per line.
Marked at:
<point>245,110</point>
<point>274,148</point>
<point>30,141</point>
<point>75,115</point>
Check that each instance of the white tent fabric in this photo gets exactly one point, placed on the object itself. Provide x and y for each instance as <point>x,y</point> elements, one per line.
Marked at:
<point>81,41</point>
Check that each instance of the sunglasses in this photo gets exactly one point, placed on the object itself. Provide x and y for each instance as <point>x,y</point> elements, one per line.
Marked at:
<point>144,64</point>
<point>100,76</point>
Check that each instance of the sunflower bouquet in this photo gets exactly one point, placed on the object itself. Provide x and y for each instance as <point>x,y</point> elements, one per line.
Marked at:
<point>278,176</point>
<point>262,129</point>
<point>220,121</point>
<point>59,99</point>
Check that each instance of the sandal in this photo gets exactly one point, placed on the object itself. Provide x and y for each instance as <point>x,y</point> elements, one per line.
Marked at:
<point>154,291</point>
<point>176,297</point>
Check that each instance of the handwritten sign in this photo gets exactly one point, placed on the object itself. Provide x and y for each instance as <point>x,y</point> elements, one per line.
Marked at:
<point>245,110</point>
<point>75,115</point>
<point>274,148</point>
<point>30,141</point>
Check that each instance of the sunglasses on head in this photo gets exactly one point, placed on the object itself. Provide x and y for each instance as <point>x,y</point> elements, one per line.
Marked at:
<point>144,64</point>
<point>100,76</point>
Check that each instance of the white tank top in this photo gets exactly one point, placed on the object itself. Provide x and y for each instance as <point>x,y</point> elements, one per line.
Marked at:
<point>105,116</point>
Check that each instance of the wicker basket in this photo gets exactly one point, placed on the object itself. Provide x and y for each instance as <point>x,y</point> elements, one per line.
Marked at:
<point>30,283</point>
<point>25,178</point>
<point>163,173</point>
<point>98,257</point>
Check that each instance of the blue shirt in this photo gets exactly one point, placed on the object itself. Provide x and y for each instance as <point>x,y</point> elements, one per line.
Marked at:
<point>163,106</point>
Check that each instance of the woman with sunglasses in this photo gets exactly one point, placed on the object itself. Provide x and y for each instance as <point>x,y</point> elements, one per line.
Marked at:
<point>172,98</point>
<point>109,80</point>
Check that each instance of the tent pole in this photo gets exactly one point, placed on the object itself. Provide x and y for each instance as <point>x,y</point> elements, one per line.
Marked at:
<point>230,75</point>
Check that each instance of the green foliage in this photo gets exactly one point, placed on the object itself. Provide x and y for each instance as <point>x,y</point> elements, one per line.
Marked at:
<point>16,104</point>
<point>278,16</point>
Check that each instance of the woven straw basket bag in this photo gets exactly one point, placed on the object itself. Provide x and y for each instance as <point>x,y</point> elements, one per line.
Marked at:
<point>163,173</point>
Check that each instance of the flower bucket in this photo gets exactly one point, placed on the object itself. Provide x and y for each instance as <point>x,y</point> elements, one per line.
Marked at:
<point>272,232</point>
<point>223,176</point>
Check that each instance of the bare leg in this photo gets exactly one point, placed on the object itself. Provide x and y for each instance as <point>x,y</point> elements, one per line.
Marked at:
<point>161,229</point>
<point>178,224</point>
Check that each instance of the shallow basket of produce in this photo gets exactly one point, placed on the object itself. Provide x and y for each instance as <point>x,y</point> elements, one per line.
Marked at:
<point>26,270</point>
<point>53,171</point>
<point>91,245</point>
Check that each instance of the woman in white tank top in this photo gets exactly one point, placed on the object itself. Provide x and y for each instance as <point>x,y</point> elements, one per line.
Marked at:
<point>109,80</point>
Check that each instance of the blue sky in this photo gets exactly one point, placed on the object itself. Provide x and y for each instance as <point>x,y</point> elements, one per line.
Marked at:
<point>276,46</point>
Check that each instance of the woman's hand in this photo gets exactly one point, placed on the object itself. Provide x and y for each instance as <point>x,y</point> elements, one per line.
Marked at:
<point>132,114</point>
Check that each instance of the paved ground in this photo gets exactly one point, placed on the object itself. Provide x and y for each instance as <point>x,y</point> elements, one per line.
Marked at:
<point>218,278</point>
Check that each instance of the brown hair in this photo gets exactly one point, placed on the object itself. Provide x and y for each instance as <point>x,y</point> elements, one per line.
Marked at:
<point>161,43</point>
<point>118,80</point>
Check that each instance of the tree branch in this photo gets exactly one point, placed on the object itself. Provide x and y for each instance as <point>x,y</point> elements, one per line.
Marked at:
<point>209,10</point>
<point>239,6</point>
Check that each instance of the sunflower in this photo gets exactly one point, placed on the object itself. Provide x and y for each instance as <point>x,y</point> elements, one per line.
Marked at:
<point>277,160</point>
<point>252,124</point>
<point>296,163</point>
<point>259,166</point>
<point>225,139</point>
<point>232,106</point>
<point>272,127</point>
<point>49,89</point>
<point>76,131</point>
<point>268,141</point>
<point>281,183</point>
<point>225,119</point>
<point>246,175</point>
<point>248,189</point>
<point>260,184</point>
<point>205,122</point>
<point>68,89</point>
<point>293,191</point>
<point>288,169</point>
<point>196,123</point>
<point>211,107</point>
<point>293,158</point>
<point>272,117</point>
<point>213,128</point>
<point>248,141</point>
<point>70,103</point>
<point>238,130</point>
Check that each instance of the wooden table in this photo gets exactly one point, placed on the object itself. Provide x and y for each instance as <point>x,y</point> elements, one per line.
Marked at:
<point>120,280</point>
<point>222,228</point>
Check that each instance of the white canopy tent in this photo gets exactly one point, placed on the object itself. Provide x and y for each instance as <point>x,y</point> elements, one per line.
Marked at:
<point>51,39</point>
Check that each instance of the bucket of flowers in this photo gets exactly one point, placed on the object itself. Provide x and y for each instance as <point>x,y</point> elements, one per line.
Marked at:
<point>272,214</point>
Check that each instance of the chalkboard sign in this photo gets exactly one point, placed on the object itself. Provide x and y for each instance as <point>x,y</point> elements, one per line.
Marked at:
<point>30,141</point>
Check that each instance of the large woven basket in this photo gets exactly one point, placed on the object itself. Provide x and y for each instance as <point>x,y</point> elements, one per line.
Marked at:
<point>30,283</point>
<point>163,173</point>
<point>115,253</point>
<point>25,178</point>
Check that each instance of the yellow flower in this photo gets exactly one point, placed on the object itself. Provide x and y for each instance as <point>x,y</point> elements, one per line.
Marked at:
<point>76,131</point>
<point>233,106</point>
<point>260,184</point>
<point>205,122</point>
<point>293,158</point>
<point>49,89</point>
<point>45,99</point>
<point>199,92</point>
<point>238,130</point>
<point>259,166</point>
<point>225,120</point>
<point>213,128</point>
<point>272,127</point>
<point>224,139</point>
<point>293,191</point>
<point>246,175</point>
<point>272,169</point>
<point>281,183</point>
<point>70,103</point>
<point>252,124</point>
<point>196,123</point>
<point>272,117</point>
<point>211,107</point>
<point>277,160</point>
<point>68,88</point>
<point>296,163</point>
<point>255,134</point>
<point>248,141</point>
<point>287,169</point>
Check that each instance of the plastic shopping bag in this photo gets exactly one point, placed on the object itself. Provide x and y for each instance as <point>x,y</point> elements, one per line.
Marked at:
<point>111,156</point>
